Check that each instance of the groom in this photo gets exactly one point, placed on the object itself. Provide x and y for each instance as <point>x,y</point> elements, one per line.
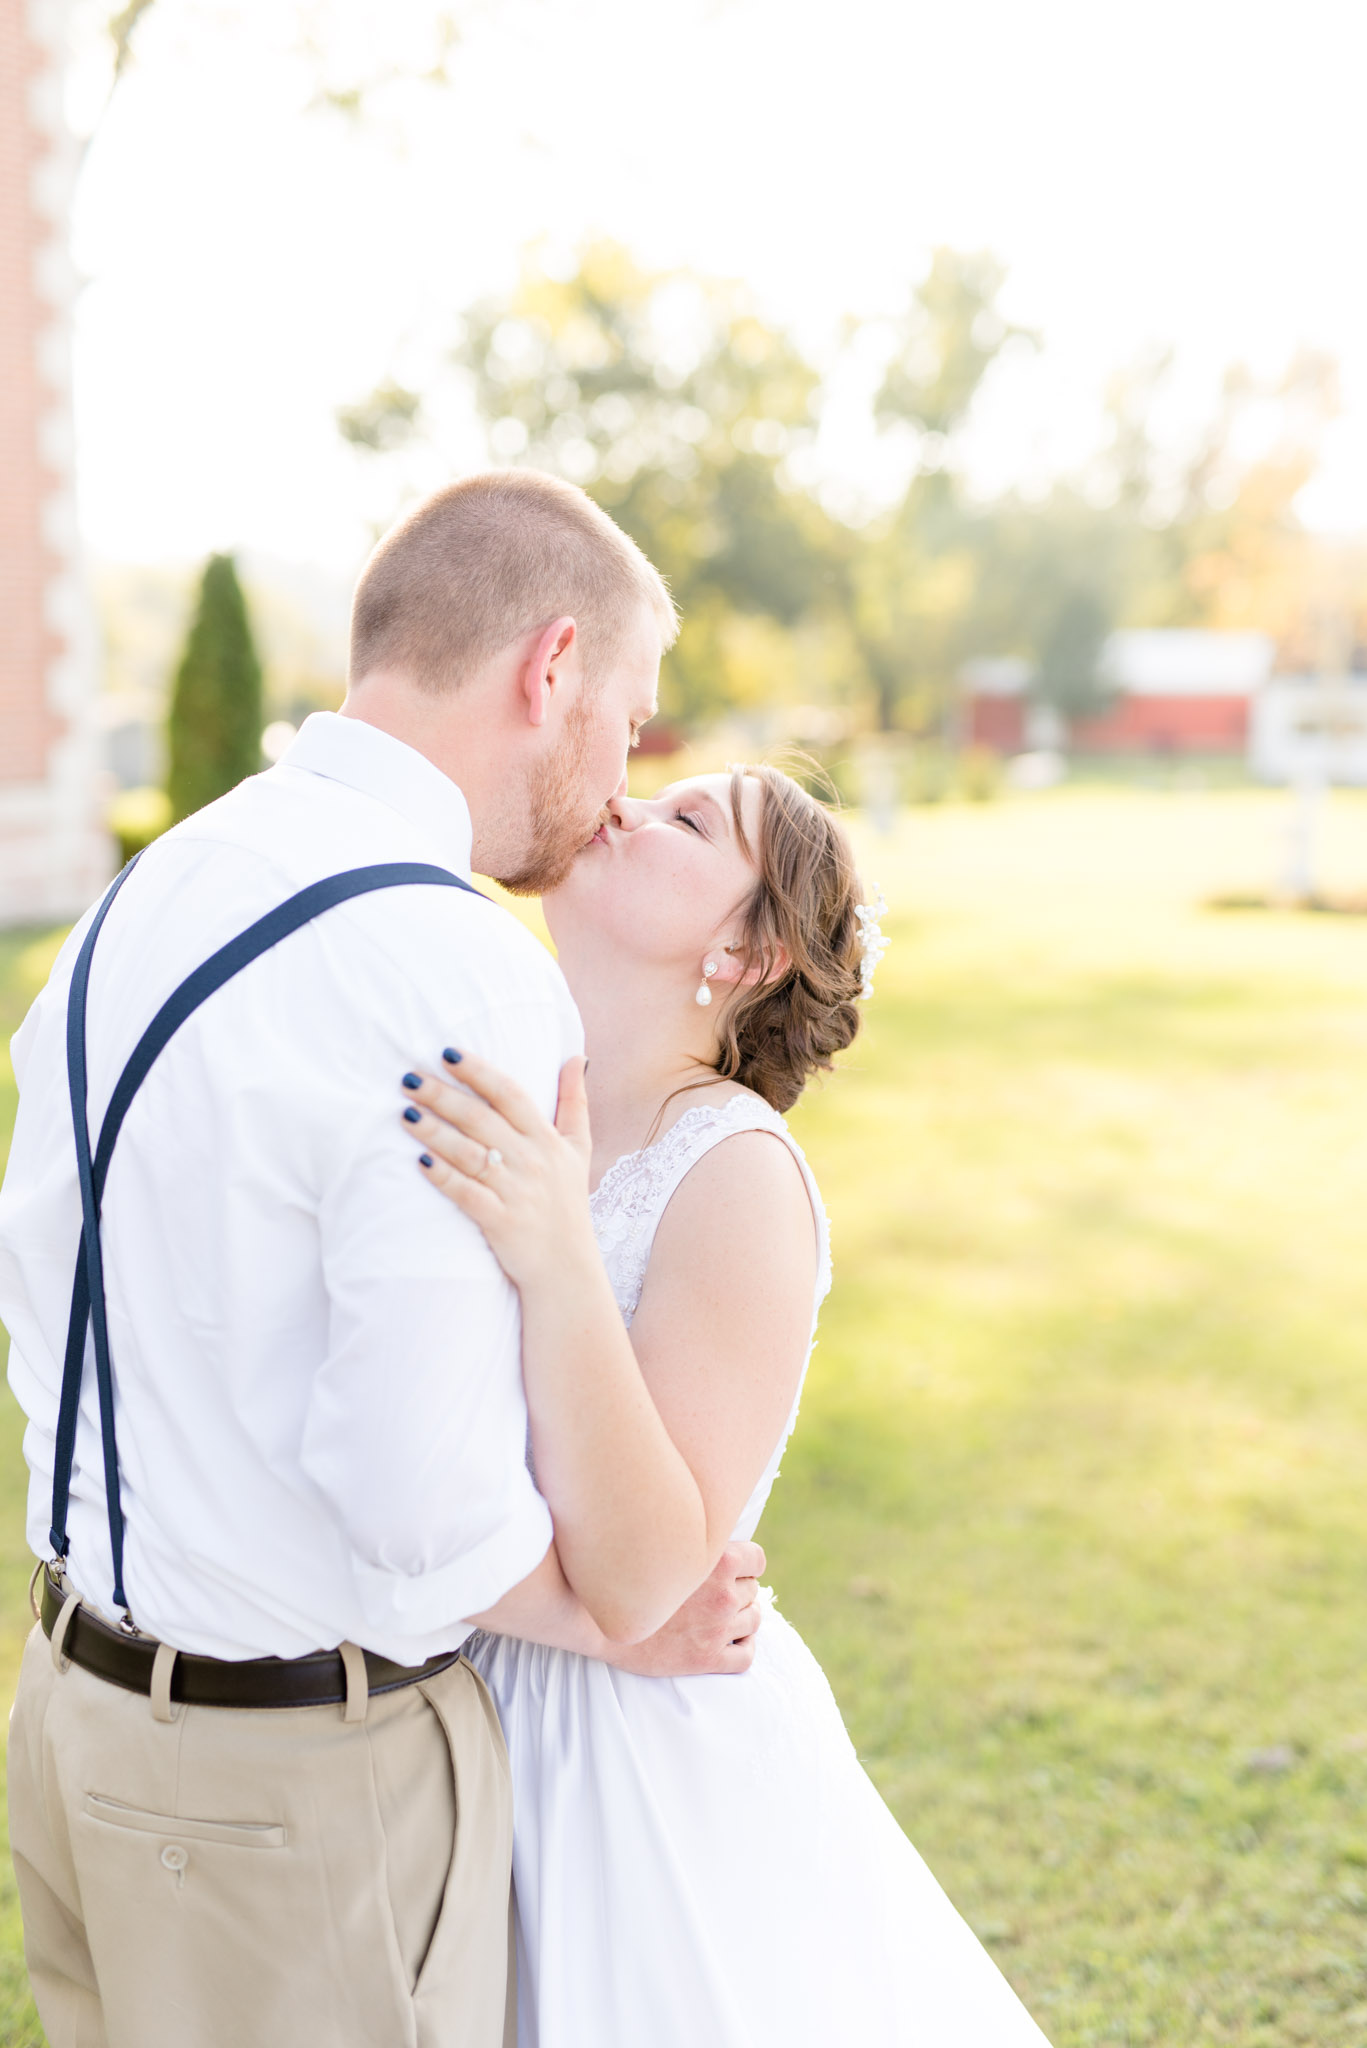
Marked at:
<point>256,1796</point>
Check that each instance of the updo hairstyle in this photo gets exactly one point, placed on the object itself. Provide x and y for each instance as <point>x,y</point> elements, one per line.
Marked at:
<point>800,927</point>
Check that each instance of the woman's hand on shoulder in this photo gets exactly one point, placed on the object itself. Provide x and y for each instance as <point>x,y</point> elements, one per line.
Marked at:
<point>487,1148</point>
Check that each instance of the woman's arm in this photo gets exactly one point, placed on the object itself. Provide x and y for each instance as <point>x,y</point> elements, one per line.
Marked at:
<point>630,1525</point>
<point>712,1633</point>
<point>724,1324</point>
<point>682,1425</point>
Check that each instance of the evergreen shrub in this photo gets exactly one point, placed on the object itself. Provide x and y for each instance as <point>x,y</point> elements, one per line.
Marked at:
<point>216,714</point>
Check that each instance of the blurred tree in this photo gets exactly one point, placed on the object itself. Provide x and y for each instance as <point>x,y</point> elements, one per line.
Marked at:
<point>912,580</point>
<point>676,407</point>
<point>947,341</point>
<point>1157,535</point>
<point>214,735</point>
<point>1054,576</point>
<point>690,420</point>
<point>1238,553</point>
<point>382,421</point>
<point>363,58</point>
<point>1070,676</point>
<point>911,593</point>
<point>120,29</point>
<point>112,30</point>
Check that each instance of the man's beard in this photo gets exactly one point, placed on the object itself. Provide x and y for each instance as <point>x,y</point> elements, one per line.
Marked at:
<point>559,825</point>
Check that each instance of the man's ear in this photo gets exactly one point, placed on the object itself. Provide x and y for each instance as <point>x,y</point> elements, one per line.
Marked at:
<point>545,667</point>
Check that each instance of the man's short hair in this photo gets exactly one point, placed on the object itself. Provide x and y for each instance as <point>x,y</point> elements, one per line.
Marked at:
<point>485,561</point>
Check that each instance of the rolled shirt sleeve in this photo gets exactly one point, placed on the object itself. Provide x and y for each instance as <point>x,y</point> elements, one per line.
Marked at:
<point>416,1427</point>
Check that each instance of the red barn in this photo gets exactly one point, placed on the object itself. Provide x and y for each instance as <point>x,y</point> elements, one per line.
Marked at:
<point>1176,692</point>
<point>1181,692</point>
<point>999,713</point>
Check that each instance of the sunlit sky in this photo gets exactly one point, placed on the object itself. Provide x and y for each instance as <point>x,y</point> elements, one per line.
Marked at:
<point>1187,171</point>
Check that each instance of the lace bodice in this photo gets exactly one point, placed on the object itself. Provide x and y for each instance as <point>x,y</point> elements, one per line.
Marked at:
<point>635,1191</point>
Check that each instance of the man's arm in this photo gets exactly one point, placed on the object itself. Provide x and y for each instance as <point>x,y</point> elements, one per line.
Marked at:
<point>714,1632</point>
<point>415,1428</point>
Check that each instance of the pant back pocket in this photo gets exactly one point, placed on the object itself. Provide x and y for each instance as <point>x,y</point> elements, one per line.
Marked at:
<point>245,1834</point>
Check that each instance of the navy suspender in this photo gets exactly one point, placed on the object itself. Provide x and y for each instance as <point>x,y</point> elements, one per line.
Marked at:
<point>87,1292</point>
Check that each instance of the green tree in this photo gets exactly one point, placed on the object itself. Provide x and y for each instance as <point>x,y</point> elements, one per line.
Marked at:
<point>1053,577</point>
<point>947,341</point>
<point>692,420</point>
<point>912,582</point>
<point>911,586</point>
<point>215,723</point>
<point>1154,536</point>
<point>1070,676</point>
<point>678,410</point>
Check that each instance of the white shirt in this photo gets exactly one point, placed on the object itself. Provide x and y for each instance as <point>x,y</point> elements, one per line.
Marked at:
<point>319,1401</point>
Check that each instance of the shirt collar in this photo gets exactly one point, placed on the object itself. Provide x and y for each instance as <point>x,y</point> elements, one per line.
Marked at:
<point>364,758</point>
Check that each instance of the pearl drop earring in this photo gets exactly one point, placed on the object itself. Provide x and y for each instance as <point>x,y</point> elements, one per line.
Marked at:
<point>704,994</point>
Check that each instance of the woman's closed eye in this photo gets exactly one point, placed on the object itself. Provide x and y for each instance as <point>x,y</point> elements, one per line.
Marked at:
<point>691,819</point>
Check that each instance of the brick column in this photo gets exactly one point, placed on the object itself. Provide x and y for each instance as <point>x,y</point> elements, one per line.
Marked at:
<point>54,854</point>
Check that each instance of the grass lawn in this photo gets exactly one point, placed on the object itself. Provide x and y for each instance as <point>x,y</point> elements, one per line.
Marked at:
<point>25,958</point>
<point>1076,1516</point>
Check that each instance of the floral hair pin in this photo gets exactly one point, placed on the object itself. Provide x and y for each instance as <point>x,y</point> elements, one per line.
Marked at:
<point>873,942</point>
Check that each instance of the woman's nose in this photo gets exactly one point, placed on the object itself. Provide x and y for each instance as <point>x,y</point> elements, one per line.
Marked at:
<point>626,812</point>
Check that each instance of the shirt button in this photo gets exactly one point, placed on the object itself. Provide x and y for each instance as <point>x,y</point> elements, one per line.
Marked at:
<point>174,1857</point>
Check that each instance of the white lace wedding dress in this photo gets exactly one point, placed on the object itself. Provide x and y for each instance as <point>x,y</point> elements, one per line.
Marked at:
<point>701,1862</point>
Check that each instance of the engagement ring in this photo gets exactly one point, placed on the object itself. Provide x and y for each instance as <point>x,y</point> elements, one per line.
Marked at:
<point>493,1157</point>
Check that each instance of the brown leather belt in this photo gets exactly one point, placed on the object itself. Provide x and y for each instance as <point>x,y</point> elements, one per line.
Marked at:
<point>318,1680</point>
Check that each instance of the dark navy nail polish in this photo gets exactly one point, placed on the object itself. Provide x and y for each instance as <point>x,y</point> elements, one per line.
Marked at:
<point>451,1056</point>
<point>412,1080</point>
<point>424,1158</point>
<point>412,1115</point>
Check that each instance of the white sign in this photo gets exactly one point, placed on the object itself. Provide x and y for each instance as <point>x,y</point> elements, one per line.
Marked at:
<point>1310,728</point>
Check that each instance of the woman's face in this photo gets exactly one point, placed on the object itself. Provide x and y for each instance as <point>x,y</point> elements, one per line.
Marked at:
<point>664,877</point>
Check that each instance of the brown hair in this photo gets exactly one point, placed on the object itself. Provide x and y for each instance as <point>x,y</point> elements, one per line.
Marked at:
<point>778,1031</point>
<point>485,560</point>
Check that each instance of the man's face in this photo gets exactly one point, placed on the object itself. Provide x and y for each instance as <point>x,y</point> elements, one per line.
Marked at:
<point>571,786</point>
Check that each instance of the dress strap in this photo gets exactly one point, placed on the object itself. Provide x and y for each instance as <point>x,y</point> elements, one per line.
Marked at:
<point>634,1193</point>
<point>88,1310</point>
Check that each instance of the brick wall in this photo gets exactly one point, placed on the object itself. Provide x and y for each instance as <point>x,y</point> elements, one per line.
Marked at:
<point>28,563</point>
<point>54,853</point>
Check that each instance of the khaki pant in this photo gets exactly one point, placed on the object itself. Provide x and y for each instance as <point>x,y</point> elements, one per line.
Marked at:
<point>271,1878</point>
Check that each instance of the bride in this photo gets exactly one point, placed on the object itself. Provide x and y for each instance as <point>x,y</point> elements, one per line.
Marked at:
<point>698,1862</point>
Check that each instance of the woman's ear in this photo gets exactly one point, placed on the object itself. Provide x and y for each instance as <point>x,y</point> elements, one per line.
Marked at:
<point>733,972</point>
